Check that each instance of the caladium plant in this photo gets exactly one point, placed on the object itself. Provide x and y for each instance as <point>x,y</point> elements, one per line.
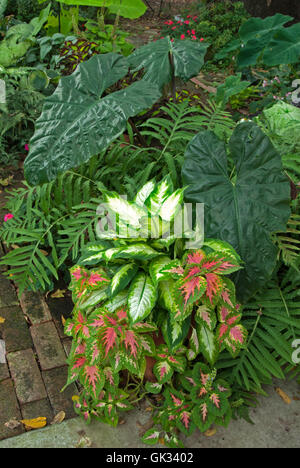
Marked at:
<point>145,298</point>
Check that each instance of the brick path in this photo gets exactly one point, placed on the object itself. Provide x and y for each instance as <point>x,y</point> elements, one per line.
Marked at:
<point>35,370</point>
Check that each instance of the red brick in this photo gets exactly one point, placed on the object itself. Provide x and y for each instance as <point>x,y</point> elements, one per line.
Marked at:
<point>55,380</point>
<point>35,308</point>
<point>15,329</point>
<point>10,410</point>
<point>26,375</point>
<point>48,345</point>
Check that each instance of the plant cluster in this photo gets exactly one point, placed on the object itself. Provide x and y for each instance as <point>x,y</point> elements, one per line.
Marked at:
<point>195,324</point>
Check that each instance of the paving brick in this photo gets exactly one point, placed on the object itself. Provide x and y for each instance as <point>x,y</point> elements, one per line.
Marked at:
<point>26,375</point>
<point>60,307</point>
<point>10,410</point>
<point>37,409</point>
<point>67,343</point>
<point>15,330</point>
<point>8,296</point>
<point>4,372</point>
<point>48,345</point>
<point>34,307</point>
<point>2,267</point>
<point>55,380</point>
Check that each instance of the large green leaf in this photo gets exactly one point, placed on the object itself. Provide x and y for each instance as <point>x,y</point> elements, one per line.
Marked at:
<point>245,207</point>
<point>128,8</point>
<point>187,57</point>
<point>77,122</point>
<point>3,5</point>
<point>141,298</point>
<point>284,47</point>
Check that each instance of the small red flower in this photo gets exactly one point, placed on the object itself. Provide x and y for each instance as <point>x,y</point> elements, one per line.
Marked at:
<point>26,147</point>
<point>201,39</point>
<point>187,22</point>
<point>182,36</point>
<point>8,216</point>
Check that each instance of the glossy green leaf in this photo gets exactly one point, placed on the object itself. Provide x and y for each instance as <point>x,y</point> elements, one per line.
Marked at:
<point>77,122</point>
<point>284,47</point>
<point>141,298</point>
<point>154,58</point>
<point>122,278</point>
<point>246,207</point>
<point>131,9</point>
<point>208,344</point>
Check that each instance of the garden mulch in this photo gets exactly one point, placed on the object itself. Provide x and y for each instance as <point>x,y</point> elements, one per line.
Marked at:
<point>34,370</point>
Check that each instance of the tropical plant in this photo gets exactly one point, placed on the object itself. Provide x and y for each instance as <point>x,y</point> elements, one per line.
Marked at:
<point>131,9</point>
<point>82,128</point>
<point>246,196</point>
<point>265,41</point>
<point>142,284</point>
<point>19,39</point>
<point>282,125</point>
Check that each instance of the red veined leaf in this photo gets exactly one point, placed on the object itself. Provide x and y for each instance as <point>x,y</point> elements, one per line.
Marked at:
<point>204,411</point>
<point>236,334</point>
<point>93,377</point>
<point>215,399</point>
<point>233,319</point>
<point>80,362</point>
<point>95,278</point>
<point>185,418</point>
<point>202,392</point>
<point>131,342</point>
<point>98,322</point>
<point>121,314</point>
<point>226,297</point>
<point>222,330</point>
<point>214,286</point>
<point>109,339</point>
<point>196,257</point>
<point>224,311</point>
<point>80,349</point>
<point>176,400</point>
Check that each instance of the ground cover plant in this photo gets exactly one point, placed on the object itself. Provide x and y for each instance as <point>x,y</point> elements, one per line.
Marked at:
<point>195,320</point>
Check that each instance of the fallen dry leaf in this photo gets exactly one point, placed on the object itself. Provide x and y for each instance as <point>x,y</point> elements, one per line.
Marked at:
<point>283,395</point>
<point>12,423</point>
<point>2,320</point>
<point>63,320</point>
<point>161,441</point>
<point>58,293</point>
<point>6,182</point>
<point>36,423</point>
<point>84,442</point>
<point>58,418</point>
<point>210,432</point>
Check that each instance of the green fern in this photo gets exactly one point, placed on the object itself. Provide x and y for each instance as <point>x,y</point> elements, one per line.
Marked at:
<point>272,319</point>
<point>288,242</point>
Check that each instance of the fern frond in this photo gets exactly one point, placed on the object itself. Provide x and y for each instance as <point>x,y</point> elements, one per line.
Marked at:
<point>273,322</point>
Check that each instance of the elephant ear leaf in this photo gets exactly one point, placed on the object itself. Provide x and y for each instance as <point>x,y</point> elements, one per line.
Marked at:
<point>78,122</point>
<point>245,208</point>
<point>155,58</point>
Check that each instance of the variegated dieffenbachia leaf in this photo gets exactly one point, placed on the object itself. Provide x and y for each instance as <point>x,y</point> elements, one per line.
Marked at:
<point>144,193</point>
<point>167,298</point>
<point>171,206</point>
<point>138,251</point>
<point>141,298</point>
<point>159,195</point>
<point>122,278</point>
<point>156,266</point>
<point>129,212</point>
<point>208,344</point>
